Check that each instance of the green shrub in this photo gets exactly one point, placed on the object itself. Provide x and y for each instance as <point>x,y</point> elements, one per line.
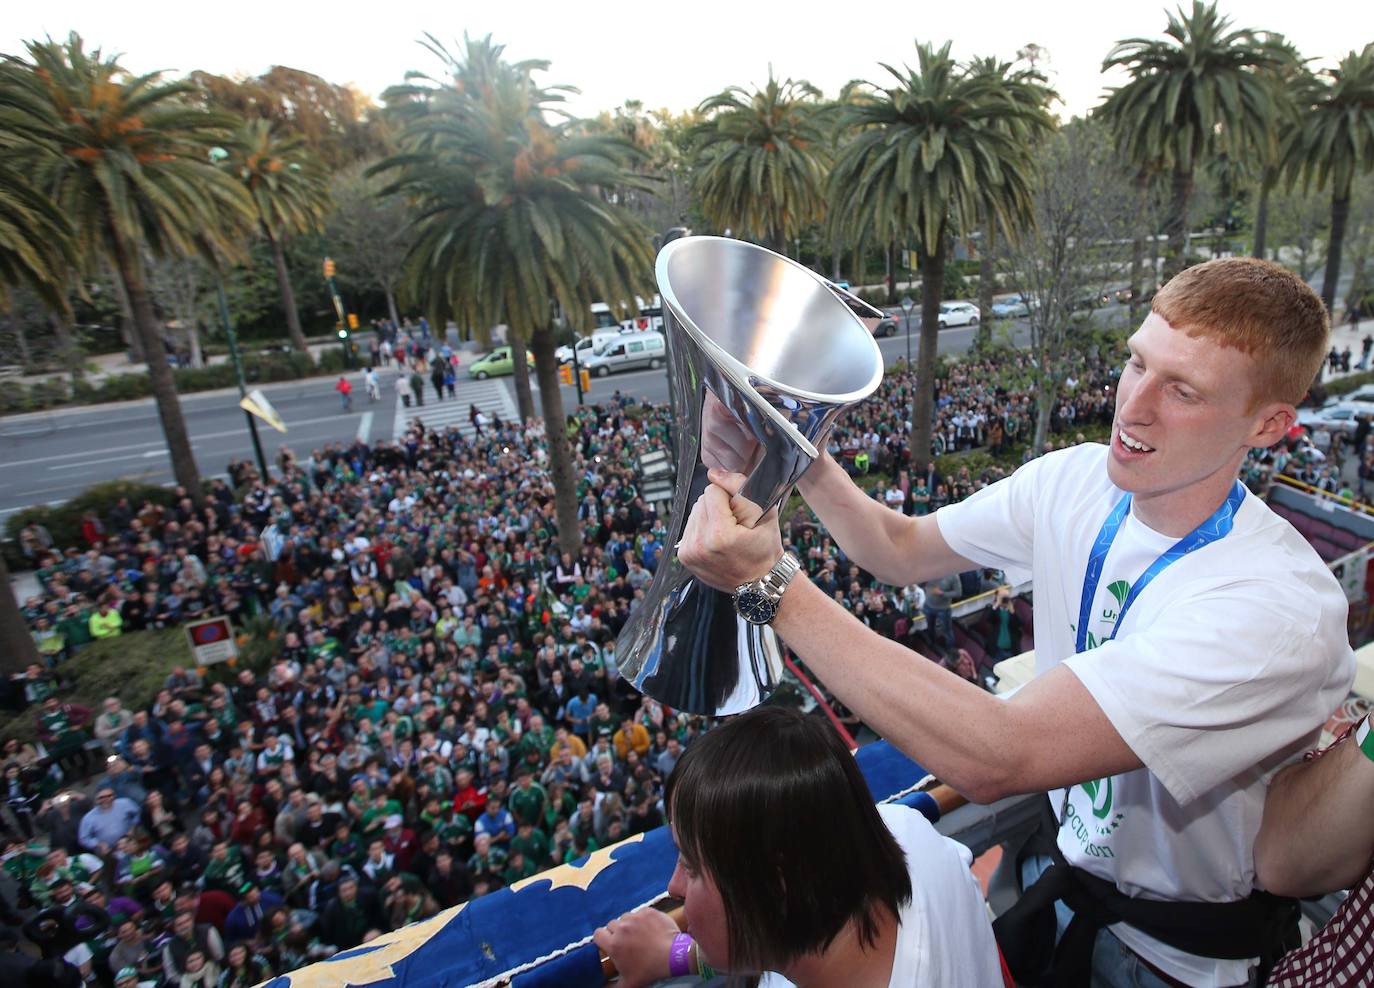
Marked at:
<point>189,379</point>
<point>131,667</point>
<point>63,521</point>
<point>1347,384</point>
<point>332,360</point>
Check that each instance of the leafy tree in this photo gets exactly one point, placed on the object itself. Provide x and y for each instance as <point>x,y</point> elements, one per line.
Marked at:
<point>931,155</point>
<point>1336,144</point>
<point>367,233</point>
<point>761,160</point>
<point>338,124</point>
<point>290,195</point>
<point>1074,244</point>
<point>1290,82</point>
<point>1198,92</point>
<point>510,223</point>
<point>131,173</point>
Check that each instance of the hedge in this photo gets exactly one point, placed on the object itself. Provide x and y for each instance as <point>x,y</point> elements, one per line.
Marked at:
<point>63,521</point>
<point>257,369</point>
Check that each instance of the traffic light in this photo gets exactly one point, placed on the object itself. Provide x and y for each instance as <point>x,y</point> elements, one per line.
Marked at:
<point>586,380</point>
<point>343,333</point>
<point>329,267</point>
<point>352,320</point>
<point>565,374</point>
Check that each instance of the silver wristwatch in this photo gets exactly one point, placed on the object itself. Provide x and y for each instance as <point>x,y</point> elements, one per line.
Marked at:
<point>757,602</point>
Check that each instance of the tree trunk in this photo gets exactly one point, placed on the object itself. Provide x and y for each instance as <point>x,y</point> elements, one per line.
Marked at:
<point>1340,211</point>
<point>1137,264</point>
<point>126,325</point>
<point>556,434</point>
<point>891,274</point>
<point>17,650</point>
<point>986,277</point>
<point>21,338</point>
<point>1142,188</point>
<point>189,319</point>
<point>520,368</point>
<point>835,259</point>
<point>69,353</point>
<point>164,385</point>
<point>288,297</point>
<point>1262,214</point>
<point>1045,397</point>
<point>391,304</point>
<point>923,401</point>
<point>1176,224</point>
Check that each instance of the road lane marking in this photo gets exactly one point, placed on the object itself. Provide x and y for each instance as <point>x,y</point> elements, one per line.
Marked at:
<point>156,442</point>
<point>365,427</point>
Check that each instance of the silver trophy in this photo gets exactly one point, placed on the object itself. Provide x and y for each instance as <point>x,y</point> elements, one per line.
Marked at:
<point>764,356</point>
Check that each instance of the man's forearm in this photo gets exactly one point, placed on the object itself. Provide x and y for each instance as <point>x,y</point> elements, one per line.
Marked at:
<point>871,534</point>
<point>982,746</point>
<point>1318,829</point>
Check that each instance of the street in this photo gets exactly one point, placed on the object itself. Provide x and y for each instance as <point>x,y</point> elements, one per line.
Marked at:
<point>51,456</point>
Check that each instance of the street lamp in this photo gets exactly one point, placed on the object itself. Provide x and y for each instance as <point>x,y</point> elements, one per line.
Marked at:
<point>238,373</point>
<point>218,155</point>
<point>906,310</point>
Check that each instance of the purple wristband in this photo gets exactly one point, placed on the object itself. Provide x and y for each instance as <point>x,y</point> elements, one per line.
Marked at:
<point>679,956</point>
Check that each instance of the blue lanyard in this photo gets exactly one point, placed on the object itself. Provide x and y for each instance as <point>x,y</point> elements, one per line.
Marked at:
<point>1214,528</point>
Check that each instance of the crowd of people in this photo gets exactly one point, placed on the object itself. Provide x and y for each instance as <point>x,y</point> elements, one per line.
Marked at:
<point>441,713</point>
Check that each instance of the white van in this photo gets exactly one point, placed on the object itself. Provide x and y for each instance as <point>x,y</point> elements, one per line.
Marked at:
<point>603,317</point>
<point>629,352</point>
<point>587,345</point>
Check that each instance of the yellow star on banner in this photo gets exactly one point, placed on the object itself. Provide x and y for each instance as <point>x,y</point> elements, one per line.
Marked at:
<point>376,964</point>
<point>577,876</point>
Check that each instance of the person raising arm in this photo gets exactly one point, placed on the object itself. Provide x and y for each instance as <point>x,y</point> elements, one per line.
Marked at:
<point>1189,642</point>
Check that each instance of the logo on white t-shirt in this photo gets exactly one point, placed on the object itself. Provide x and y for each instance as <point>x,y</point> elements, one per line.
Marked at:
<point>1100,819</point>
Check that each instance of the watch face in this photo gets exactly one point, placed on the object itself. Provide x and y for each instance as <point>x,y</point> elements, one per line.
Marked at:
<point>755,605</point>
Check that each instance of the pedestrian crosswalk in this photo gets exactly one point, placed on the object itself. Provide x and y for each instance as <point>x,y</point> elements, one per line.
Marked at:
<point>492,397</point>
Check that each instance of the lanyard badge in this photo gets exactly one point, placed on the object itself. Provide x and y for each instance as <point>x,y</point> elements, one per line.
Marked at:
<point>1217,527</point>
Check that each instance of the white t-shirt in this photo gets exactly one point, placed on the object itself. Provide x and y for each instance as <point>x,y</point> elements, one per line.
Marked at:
<point>944,937</point>
<point>1224,669</point>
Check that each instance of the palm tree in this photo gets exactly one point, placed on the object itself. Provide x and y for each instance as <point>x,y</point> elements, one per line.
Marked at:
<point>1336,143</point>
<point>36,246</point>
<point>761,161</point>
<point>1290,84</point>
<point>1199,92</point>
<point>511,225</point>
<point>1005,73</point>
<point>290,193</point>
<point>131,174</point>
<point>36,250</point>
<point>940,149</point>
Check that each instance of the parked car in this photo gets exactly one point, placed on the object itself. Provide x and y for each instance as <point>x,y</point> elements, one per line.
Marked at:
<point>1011,307</point>
<point>1339,417</point>
<point>1363,396</point>
<point>495,364</point>
<point>587,345</point>
<point>887,326</point>
<point>629,352</point>
<point>958,314</point>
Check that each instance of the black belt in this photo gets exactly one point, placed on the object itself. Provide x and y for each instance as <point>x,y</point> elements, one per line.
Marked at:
<point>1261,925</point>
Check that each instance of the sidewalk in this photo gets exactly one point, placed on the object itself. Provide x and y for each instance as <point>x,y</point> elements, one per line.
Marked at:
<point>1346,335</point>
<point>112,364</point>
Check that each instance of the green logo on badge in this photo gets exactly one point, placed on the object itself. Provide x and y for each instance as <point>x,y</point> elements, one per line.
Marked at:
<point>1120,589</point>
<point>1100,792</point>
